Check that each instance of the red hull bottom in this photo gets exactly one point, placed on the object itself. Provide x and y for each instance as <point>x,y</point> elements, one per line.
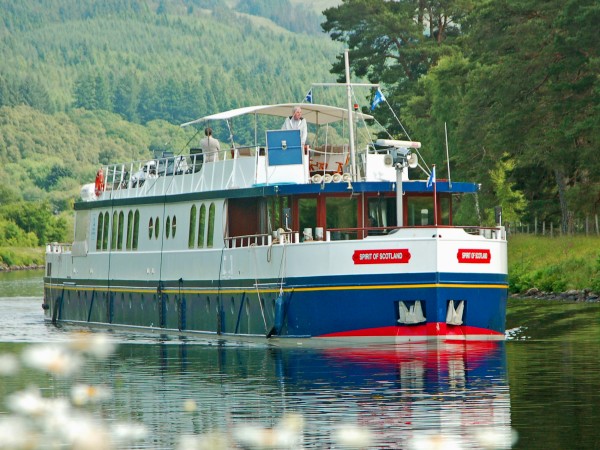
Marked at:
<point>427,331</point>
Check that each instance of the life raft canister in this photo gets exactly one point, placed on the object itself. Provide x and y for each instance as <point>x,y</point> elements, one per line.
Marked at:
<point>99,182</point>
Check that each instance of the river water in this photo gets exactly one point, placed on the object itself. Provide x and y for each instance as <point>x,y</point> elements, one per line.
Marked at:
<point>538,390</point>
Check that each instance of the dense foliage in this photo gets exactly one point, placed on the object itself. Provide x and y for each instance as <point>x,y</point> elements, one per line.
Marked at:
<point>512,80</point>
<point>84,83</point>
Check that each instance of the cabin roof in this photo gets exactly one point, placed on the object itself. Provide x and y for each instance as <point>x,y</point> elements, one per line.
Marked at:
<point>312,113</point>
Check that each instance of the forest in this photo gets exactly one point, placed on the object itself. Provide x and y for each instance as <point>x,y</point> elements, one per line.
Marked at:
<point>87,82</point>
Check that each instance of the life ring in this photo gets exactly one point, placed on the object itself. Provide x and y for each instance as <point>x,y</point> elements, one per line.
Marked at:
<point>99,182</point>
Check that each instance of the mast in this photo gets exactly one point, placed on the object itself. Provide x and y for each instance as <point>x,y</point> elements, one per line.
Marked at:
<point>350,118</point>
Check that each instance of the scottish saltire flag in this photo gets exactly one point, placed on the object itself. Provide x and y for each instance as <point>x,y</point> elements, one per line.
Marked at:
<point>308,98</point>
<point>431,178</point>
<point>379,97</point>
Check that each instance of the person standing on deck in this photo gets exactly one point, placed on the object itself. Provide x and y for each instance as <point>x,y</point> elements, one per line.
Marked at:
<point>210,146</point>
<point>296,122</point>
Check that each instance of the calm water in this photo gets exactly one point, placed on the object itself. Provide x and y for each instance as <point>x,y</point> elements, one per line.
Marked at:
<point>541,385</point>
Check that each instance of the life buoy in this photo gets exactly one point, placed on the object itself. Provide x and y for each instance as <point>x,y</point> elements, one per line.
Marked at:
<point>99,182</point>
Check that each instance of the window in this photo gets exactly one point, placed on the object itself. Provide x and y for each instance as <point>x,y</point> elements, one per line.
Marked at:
<point>113,235</point>
<point>341,213</point>
<point>120,232</point>
<point>174,226</point>
<point>168,227</point>
<point>211,226</point>
<point>201,226</point>
<point>99,231</point>
<point>192,231</point>
<point>150,228</point>
<point>105,231</point>
<point>156,228</point>
<point>128,242</point>
<point>136,229</point>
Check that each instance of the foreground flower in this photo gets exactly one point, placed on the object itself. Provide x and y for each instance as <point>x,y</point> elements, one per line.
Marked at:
<point>353,437</point>
<point>287,434</point>
<point>54,359</point>
<point>209,441</point>
<point>15,434</point>
<point>98,345</point>
<point>84,394</point>
<point>434,442</point>
<point>31,403</point>
<point>9,364</point>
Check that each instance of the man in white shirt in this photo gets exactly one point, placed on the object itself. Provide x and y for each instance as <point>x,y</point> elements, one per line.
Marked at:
<point>210,146</point>
<point>296,122</point>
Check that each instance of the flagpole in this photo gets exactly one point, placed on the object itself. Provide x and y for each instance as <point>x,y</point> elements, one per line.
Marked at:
<point>350,118</point>
<point>435,211</point>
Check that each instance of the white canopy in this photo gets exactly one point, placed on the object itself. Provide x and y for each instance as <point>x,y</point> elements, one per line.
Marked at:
<point>316,114</point>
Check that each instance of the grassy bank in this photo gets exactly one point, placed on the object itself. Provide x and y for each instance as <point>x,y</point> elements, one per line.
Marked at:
<point>21,257</point>
<point>553,264</point>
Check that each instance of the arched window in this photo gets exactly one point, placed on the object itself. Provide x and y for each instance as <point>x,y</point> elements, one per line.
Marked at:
<point>113,235</point>
<point>211,225</point>
<point>136,229</point>
<point>120,232</point>
<point>106,226</point>
<point>192,232</point>
<point>99,231</point>
<point>201,224</point>
<point>129,239</point>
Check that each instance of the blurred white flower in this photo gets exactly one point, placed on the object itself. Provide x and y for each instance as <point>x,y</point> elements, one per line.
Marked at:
<point>98,345</point>
<point>353,437</point>
<point>123,432</point>
<point>28,403</point>
<point>9,364</point>
<point>495,439</point>
<point>15,434</point>
<point>434,442</point>
<point>84,394</point>
<point>190,405</point>
<point>53,359</point>
<point>286,435</point>
<point>209,441</point>
<point>86,433</point>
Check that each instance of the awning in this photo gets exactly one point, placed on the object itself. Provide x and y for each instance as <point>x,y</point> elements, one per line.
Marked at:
<point>315,114</point>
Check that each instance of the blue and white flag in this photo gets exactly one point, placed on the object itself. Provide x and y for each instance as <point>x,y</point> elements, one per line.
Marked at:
<point>431,178</point>
<point>379,97</point>
<point>308,98</point>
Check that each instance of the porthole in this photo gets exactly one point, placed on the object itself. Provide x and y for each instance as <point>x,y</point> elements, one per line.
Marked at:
<point>168,227</point>
<point>174,226</point>
<point>156,228</point>
<point>150,228</point>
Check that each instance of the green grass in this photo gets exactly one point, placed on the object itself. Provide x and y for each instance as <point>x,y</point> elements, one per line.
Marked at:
<point>553,264</point>
<point>13,257</point>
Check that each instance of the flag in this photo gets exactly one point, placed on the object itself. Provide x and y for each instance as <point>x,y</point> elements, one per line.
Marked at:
<point>379,97</point>
<point>431,178</point>
<point>308,98</point>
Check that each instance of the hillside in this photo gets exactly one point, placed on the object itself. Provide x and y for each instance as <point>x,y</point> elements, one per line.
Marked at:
<point>87,82</point>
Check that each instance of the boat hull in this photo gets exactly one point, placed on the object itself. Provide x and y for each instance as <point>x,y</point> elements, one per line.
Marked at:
<point>332,308</point>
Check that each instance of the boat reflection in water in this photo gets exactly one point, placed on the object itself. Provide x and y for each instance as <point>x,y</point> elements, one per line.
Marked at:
<point>402,396</point>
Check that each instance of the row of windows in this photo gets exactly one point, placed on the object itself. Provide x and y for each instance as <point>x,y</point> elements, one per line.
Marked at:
<point>116,231</point>
<point>113,232</point>
<point>196,235</point>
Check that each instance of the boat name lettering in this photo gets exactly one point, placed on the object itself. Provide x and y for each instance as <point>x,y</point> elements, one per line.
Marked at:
<point>474,256</point>
<point>391,256</point>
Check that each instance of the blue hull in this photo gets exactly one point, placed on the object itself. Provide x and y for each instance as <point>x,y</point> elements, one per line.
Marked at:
<point>324,307</point>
